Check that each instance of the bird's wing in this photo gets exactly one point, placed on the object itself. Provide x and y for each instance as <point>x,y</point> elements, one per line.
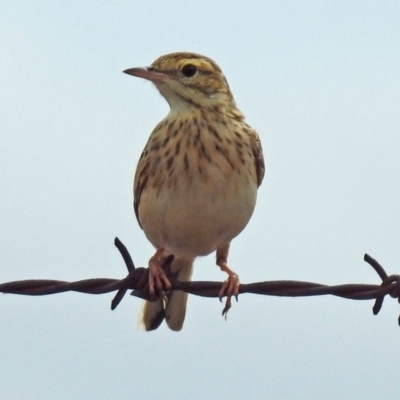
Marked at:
<point>258,156</point>
<point>141,177</point>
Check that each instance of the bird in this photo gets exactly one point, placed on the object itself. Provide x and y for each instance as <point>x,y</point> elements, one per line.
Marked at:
<point>196,182</point>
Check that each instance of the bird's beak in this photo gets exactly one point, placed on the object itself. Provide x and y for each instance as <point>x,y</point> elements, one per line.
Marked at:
<point>147,73</point>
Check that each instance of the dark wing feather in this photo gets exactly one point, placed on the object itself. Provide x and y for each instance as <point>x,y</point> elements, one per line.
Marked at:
<point>141,178</point>
<point>258,156</point>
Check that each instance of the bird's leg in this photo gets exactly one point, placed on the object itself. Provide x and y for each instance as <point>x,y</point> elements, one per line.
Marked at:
<point>157,276</point>
<point>231,286</point>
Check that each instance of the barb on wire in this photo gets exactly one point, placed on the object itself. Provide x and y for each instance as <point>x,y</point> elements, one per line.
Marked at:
<point>137,281</point>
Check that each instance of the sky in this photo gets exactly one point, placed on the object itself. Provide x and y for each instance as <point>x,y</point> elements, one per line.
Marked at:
<point>320,82</point>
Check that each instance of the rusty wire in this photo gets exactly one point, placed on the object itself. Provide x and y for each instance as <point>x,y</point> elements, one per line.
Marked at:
<point>137,279</point>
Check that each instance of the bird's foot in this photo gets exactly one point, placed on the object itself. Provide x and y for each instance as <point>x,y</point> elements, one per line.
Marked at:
<point>157,278</point>
<point>229,288</point>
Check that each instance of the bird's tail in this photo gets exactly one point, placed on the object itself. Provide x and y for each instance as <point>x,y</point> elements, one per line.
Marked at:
<point>173,307</point>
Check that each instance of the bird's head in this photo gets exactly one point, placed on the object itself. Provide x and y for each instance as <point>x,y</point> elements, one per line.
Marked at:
<point>187,80</point>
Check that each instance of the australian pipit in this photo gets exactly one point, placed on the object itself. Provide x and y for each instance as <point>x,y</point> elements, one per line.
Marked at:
<point>196,181</point>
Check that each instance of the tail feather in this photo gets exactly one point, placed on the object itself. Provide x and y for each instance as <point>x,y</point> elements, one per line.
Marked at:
<point>173,308</point>
<point>152,315</point>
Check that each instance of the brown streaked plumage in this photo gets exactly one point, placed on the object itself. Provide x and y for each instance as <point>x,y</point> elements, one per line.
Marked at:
<point>196,182</point>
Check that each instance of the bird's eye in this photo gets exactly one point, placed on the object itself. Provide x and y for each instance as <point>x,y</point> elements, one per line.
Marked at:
<point>189,70</point>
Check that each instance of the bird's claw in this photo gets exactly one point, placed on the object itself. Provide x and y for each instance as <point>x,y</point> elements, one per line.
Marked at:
<point>157,277</point>
<point>229,288</point>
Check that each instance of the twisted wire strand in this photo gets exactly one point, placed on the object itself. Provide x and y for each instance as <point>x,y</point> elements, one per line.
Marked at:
<point>137,279</point>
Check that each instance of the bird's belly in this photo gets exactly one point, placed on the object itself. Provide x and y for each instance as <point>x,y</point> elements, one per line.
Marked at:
<point>196,216</point>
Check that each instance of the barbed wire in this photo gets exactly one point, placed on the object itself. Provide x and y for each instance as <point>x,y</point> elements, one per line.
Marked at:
<point>137,281</point>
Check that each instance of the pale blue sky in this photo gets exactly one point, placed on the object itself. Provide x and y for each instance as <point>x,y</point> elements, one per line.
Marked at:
<point>320,82</point>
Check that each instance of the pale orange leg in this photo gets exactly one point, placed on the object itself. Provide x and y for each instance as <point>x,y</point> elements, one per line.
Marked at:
<point>231,286</point>
<point>157,277</point>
